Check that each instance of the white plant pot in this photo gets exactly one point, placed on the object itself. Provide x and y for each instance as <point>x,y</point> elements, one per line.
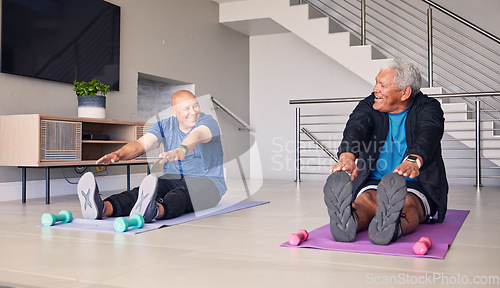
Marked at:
<point>92,106</point>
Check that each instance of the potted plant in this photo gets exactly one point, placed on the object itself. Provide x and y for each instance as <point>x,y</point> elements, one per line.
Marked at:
<point>90,104</point>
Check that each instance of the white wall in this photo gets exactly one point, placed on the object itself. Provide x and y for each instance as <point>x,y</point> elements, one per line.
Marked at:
<point>284,67</point>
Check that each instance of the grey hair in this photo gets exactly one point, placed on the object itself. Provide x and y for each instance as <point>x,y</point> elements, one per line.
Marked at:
<point>407,74</point>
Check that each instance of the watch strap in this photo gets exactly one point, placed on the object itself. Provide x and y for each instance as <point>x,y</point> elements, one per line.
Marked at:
<point>184,147</point>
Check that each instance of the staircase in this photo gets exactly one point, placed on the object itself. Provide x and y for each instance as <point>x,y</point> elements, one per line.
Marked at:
<point>260,17</point>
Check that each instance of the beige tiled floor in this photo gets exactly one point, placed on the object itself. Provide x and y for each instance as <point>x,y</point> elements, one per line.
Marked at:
<point>240,249</point>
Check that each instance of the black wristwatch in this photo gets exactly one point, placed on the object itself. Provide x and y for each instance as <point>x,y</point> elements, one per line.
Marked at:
<point>413,159</point>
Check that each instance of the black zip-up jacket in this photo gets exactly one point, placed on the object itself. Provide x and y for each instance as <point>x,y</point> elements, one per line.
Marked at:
<point>366,131</point>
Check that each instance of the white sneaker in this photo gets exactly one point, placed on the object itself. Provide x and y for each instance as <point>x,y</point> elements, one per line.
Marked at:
<point>90,200</point>
<point>146,199</point>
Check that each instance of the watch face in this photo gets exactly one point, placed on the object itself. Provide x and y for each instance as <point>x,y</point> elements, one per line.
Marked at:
<point>412,158</point>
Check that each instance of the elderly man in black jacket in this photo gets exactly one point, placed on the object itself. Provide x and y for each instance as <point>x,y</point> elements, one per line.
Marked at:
<point>390,176</point>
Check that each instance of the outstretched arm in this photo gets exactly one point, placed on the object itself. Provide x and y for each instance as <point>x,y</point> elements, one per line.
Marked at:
<point>130,151</point>
<point>200,134</point>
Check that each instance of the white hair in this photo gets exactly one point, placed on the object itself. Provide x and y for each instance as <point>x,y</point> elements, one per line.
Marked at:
<point>407,74</point>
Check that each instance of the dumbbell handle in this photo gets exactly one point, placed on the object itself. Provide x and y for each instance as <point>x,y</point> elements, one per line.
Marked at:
<point>133,222</point>
<point>60,217</point>
<point>298,237</point>
<point>422,246</point>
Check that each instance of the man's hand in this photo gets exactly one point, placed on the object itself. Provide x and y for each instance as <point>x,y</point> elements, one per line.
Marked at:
<point>173,155</point>
<point>108,159</point>
<point>346,163</point>
<point>408,168</point>
<point>131,150</point>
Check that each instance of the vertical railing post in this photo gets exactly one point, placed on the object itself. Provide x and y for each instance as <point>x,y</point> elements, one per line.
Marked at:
<point>297,144</point>
<point>23,185</point>
<point>363,22</point>
<point>430,53</point>
<point>478,144</point>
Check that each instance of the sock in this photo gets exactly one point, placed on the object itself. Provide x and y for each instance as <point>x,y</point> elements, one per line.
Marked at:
<point>157,211</point>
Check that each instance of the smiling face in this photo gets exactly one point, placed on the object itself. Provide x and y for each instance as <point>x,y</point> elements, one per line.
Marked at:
<point>186,109</point>
<point>388,98</point>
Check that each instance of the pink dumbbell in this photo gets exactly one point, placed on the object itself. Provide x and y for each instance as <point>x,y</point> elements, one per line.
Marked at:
<point>300,236</point>
<point>422,245</point>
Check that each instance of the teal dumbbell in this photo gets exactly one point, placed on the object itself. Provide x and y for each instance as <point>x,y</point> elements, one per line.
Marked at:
<point>122,224</point>
<point>49,219</point>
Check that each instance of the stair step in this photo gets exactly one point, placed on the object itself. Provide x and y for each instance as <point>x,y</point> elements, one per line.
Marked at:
<point>454,107</point>
<point>318,26</point>
<point>432,90</point>
<point>309,24</point>
<point>315,13</point>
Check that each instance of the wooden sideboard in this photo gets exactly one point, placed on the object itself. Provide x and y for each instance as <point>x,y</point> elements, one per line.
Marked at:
<point>47,141</point>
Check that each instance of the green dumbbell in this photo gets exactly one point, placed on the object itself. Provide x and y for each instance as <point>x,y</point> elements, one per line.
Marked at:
<point>122,224</point>
<point>49,219</point>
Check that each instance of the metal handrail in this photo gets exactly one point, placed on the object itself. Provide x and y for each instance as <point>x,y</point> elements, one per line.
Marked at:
<point>355,99</point>
<point>464,21</point>
<point>327,144</point>
<point>317,142</point>
<point>430,54</point>
<point>230,113</point>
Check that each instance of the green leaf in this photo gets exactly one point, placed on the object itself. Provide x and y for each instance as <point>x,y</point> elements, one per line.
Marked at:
<point>90,88</point>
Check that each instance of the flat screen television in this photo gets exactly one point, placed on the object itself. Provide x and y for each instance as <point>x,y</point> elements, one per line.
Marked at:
<point>61,40</point>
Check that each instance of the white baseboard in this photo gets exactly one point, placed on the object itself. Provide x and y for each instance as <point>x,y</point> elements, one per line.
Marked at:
<point>11,191</point>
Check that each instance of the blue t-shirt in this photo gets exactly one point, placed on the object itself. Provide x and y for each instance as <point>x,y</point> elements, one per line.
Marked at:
<point>204,161</point>
<point>395,147</point>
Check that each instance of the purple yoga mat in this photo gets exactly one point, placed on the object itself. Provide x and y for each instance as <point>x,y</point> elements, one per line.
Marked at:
<point>441,235</point>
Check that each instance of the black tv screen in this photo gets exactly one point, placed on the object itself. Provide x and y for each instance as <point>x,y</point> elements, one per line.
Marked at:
<point>61,40</point>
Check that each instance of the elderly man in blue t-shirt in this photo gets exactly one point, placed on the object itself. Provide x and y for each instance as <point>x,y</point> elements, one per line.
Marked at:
<point>193,176</point>
<point>390,176</point>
